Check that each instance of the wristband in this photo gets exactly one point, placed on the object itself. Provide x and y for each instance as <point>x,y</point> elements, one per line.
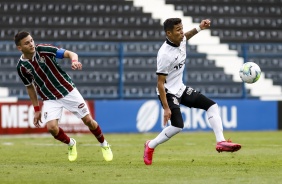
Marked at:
<point>74,60</point>
<point>36,108</point>
<point>198,29</point>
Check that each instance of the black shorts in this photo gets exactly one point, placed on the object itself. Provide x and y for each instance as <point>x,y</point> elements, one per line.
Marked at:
<point>190,98</point>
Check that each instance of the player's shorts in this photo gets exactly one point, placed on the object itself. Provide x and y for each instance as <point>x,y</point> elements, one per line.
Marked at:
<point>190,98</point>
<point>73,102</point>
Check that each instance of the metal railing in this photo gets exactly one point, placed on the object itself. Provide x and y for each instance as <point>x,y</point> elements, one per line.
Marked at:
<point>147,49</point>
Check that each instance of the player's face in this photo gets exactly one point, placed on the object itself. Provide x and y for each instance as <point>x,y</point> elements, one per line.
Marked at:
<point>27,45</point>
<point>176,35</point>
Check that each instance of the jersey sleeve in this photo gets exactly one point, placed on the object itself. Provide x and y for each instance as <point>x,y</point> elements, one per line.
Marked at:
<point>51,50</point>
<point>25,76</point>
<point>60,53</point>
<point>162,65</point>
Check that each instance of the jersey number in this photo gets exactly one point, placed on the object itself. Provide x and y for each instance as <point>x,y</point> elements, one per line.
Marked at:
<point>178,66</point>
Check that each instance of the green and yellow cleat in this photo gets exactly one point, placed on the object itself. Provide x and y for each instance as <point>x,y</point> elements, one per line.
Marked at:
<point>107,153</point>
<point>72,153</point>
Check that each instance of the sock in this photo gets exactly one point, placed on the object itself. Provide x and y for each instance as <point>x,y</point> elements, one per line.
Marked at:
<point>165,135</point>
<point>98,134</point>
<point>215,122</point>
<point>72,142</point>
<point>62,136</point>
<point>105,143</point>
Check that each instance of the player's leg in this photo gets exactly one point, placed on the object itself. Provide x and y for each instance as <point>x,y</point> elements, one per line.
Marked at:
<point>75,103</point>
<point>216,123</point>
<point>168,132</point>
<point>192,98</point>
<point>52,111</point>
<point>59,134</point>
<point>97,132</point>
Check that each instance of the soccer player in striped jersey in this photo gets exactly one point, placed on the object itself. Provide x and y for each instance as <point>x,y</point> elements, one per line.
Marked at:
<point>42,75</point>
<point>172,92</point>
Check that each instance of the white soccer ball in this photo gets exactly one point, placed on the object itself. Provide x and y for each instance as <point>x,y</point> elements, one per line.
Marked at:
<point>250,72</point>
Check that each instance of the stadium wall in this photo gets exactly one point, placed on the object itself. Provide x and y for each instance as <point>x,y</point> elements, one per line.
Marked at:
<point>140,116</point>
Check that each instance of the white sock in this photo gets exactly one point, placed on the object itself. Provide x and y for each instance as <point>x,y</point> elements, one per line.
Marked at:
<point>165,135</point>
<point>215,122</point>
<point>105,143</point>
<point>72,142</point>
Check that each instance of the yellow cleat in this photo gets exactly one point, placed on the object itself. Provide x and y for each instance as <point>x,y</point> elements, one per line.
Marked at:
<point>107,153</point>
<point>72,153</point>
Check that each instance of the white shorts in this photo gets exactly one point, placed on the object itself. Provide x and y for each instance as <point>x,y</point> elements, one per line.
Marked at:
<point>74,102</point>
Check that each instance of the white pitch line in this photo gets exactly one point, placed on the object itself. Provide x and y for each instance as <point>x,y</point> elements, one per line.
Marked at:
<point>7,143</point>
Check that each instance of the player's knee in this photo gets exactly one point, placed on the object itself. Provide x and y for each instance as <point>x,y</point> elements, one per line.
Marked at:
<point>213,107</point>
<point>178,129</point>
<point>209,103</point>
<point>88,120</point>
<point>178,124</point>
<point>52,128</point>
<point>172,130</point>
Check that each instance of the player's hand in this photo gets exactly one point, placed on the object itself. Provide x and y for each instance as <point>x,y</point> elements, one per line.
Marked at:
<point>76,65</point>
<point>37,119</point>
<point>167,115</point>
<point>205,24</point>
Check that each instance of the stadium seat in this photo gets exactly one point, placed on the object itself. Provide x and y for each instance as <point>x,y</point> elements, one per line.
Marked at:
<point>99,31</point>
<point>18,92</point>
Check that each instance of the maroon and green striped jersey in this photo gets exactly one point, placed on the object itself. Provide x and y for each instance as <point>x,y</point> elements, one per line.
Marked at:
<point>43,70</point>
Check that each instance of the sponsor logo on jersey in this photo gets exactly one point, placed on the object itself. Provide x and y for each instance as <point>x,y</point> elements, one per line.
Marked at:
<point>81,105</point>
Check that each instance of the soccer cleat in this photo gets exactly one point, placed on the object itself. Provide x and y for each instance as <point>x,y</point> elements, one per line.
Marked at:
<point>107,152</point>
<point>227,146</point>
<point>148,154</point>
<point>72,153</point>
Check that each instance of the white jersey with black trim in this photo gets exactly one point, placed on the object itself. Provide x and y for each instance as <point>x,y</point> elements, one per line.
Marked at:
<point>171,62</point>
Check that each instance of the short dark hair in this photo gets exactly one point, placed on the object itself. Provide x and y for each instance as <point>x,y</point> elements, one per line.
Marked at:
<point>19,36</point>
<point>169,23</point>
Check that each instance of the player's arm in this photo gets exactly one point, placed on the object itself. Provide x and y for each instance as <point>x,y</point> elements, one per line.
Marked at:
<point>33,97</point>
<point>75,64</point>
<point>162,93</point>
<point>205,24</point>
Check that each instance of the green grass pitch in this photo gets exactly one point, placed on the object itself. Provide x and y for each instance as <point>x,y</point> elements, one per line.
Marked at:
<point>189,157</point>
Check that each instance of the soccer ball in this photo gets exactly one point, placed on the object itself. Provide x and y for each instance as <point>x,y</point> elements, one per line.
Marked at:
<point>249,72</point>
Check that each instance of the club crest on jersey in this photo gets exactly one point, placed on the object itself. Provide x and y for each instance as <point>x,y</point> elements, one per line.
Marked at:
<point>42,60</point>
<point>175,101</point>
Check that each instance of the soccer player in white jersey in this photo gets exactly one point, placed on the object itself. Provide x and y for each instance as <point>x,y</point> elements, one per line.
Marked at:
<point>41,74</point>
<point>172,92</point>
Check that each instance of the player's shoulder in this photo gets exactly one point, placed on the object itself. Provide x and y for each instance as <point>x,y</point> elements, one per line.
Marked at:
<point>19,63</point>
<point>166,52</point>
<point>164,58</point>
<point>45,47</point>
<point>163,52</point>
<point>164,49</point>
